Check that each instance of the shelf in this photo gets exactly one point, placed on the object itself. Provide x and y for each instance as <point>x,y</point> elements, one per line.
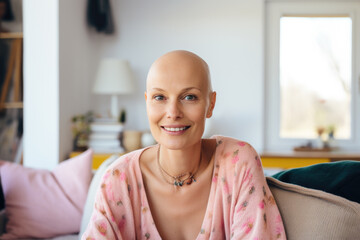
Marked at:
<point>11,94</point>
<point>11,35</point>
<point>12,84</point>
<point>11,105</point>
<point>309,149</point>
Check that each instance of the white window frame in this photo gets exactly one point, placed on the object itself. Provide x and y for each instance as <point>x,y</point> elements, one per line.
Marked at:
<point>273,12</point>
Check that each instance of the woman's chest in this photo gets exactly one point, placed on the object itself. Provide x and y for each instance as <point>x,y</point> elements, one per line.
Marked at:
<point>180,215</point>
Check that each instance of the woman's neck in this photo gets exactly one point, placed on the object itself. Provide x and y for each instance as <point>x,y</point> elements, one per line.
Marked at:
<point>177,162</point>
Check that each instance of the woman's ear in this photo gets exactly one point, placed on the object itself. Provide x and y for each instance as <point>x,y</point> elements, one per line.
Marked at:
<point>145,94</point>
<point>211,105</point>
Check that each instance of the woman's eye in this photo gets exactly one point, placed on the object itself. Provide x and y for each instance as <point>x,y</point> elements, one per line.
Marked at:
<point>190,97</point>
<point>159,98</point>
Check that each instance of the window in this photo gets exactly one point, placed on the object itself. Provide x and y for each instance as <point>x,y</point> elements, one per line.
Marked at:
<point>315,76</point>
<point>311,62</point>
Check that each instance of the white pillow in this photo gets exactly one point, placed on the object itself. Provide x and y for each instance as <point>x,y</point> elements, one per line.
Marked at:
<point>90,200</point>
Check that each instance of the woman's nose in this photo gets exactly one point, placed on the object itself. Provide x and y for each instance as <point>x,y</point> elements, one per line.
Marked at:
<point>174,110</point>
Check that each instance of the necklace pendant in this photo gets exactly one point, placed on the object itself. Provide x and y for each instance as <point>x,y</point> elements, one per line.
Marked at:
<point>178,183</point>
<point>189,181</point>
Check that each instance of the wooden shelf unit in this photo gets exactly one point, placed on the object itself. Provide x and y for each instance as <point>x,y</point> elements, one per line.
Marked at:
<point>11,35</point>
<point>11,95</point>
<point>14,72</point>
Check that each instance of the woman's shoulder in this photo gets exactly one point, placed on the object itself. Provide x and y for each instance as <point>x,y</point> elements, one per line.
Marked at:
<point>123,177</point>
<point>233,150</point>
<point>125,165</point>
<point>230,142</point>
<point>126,159</point>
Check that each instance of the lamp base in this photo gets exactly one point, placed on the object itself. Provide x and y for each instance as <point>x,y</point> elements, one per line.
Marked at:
<point>114,107</point>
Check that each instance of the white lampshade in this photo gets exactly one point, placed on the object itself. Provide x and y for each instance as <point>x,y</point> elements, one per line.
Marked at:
<point>114,77</point>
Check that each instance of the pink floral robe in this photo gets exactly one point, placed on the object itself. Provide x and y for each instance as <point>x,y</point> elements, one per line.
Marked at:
<point>240,204</point>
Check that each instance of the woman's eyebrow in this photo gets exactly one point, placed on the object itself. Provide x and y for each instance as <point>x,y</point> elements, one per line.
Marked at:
<point>183,90</point>
<point>191,88</point>
<point>156,89</point>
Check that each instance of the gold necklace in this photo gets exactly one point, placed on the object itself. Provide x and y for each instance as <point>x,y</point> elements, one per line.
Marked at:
<point>178,181</point>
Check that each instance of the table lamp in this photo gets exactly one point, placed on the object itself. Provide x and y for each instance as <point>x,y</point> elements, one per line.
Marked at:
<point>114,77</point>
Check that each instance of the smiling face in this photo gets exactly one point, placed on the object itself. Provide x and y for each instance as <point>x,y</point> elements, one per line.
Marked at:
<point>179,99</point>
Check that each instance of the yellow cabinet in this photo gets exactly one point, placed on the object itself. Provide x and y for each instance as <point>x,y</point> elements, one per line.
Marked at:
<point>303,159</point>
<point>286,163</point>
<point>98,158</point>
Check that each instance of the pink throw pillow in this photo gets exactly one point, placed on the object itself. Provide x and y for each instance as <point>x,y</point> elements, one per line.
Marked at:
<point>42,203</point>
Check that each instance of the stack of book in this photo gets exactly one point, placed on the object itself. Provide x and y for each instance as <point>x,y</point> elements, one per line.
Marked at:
<point>105,136</point>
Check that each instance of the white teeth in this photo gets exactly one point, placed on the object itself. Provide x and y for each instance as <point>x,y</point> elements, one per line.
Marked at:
<point>174,129</point>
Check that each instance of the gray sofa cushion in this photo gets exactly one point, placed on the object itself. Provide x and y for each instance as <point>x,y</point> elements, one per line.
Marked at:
<point>314,214</point>
<point>65,237</point>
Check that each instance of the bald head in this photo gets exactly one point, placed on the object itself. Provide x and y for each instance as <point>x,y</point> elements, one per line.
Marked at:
<point>177,65</point>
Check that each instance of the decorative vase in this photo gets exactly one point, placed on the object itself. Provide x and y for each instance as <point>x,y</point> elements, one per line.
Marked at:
<point>131,140</point>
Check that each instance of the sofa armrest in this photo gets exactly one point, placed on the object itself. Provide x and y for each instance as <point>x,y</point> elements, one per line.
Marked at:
<point>313,214</point>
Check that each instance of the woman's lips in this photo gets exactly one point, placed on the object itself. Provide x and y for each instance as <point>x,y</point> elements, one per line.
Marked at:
<point>175,130</point>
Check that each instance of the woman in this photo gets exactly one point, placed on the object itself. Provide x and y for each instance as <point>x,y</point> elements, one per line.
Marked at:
<point>185,187</point>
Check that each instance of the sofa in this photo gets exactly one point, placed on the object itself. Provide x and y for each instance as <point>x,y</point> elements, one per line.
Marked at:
<point>67,195</point>
<point>317,202</point>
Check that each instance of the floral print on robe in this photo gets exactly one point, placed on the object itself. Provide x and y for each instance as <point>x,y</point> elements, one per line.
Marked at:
<point>240,204</point>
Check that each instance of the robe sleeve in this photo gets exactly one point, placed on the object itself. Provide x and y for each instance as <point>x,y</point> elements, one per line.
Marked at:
<point>112,217</point>
<point>254,214</point>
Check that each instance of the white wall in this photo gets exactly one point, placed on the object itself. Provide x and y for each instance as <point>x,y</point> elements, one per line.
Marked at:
<point>59,52</point>
<point>227,34</point>
<point>78,52</point>
<point>41,88</point>
<point>61,56</point>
